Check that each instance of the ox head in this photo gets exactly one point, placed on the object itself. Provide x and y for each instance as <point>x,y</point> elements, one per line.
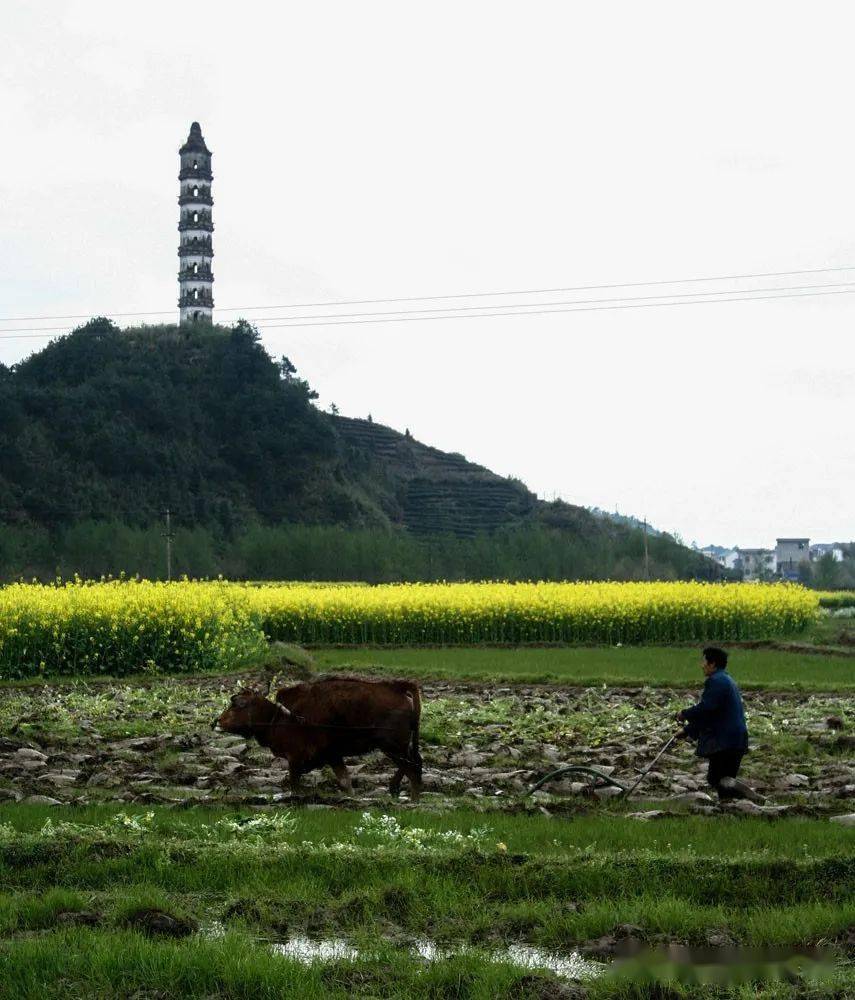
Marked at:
<point>248,713</point>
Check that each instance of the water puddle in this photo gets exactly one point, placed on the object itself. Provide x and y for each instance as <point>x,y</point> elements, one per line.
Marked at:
<point>524,956</point>
<point>572,966</point>
<point>306,950</point>
<point>666,964</point>
<point>674,963</point>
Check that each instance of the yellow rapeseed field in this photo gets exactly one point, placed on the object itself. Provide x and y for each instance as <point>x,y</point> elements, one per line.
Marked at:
<point>123,627</point>
<point>413,614</point>
<point>127,627</point>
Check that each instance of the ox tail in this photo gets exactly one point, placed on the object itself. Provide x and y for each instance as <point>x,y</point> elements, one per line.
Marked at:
<point>415,756</point>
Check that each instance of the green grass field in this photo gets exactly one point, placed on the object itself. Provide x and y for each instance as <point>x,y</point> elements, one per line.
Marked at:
<point>549,883</point>
<point>656,666</point>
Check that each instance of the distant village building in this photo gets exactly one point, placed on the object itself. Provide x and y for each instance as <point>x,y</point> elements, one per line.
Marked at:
<point>824,548</point>
<point>756,564</point>
<point>783,562</point>
<point>723,556</point>
<point>790,553</point>
<point>196,252</point>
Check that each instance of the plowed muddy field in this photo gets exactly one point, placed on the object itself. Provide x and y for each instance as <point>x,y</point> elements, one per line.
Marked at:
<point>483,745</point>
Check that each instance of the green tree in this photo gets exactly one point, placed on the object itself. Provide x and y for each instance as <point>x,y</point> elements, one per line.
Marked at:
<point>827,574</point>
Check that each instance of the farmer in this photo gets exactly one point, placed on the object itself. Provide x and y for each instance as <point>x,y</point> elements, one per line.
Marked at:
<point>717,722</point>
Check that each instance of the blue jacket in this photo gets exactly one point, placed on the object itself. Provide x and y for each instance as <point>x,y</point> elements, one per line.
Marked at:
<point>717,722</point>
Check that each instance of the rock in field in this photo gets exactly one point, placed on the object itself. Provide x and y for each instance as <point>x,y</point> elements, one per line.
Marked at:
<point>61,777</point>
<point>717,938</point>
<point>106,779</point>
<point>693,798</point>
<point>847,819</point>
<point>752,809</point>
<point>140,743</point>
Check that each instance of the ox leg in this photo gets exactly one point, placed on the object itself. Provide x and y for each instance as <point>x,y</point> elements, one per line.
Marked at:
<point>409,766</point>
<point>395,784</point>
<point>295,772</point>
<point>414,774</point>
<point>413,771</point>
<point>342,776</point>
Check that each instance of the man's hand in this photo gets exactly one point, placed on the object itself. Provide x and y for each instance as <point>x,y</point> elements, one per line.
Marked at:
<point>680,716</point>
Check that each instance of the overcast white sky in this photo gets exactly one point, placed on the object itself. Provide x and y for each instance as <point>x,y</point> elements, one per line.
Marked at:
<point>382,149</point>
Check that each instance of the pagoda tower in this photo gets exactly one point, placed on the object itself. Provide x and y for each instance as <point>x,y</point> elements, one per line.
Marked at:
<point>195,277</point>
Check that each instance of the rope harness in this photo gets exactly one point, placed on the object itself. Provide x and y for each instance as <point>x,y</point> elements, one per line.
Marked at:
<point>298,720</point>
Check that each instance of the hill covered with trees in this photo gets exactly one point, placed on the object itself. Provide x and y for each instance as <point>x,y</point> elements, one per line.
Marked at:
<point>105,429</point>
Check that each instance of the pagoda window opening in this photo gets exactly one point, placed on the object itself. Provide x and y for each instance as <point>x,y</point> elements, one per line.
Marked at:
<point>195,294</point>
<point>195,216</point>
<point>195,268</point>
<point>195,190</point>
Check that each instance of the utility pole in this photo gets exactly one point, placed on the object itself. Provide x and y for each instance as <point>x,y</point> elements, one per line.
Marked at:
<point>168,536</point>
<point>646,553</point>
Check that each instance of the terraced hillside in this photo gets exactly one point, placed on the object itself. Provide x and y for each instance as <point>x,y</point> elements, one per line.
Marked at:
<point>434,491</point>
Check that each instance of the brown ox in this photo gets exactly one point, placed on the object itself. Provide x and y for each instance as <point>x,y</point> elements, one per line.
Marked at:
<point>321,722</point>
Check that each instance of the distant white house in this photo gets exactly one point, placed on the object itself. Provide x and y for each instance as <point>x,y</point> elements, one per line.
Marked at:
<point>824,548</point>
<point>790,553</point>
<point>756,564</point>
<point>724,557</point>
<point>782,562</point>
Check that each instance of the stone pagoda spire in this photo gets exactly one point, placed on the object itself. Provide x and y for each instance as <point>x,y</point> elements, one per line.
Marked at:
<point>195,277</point>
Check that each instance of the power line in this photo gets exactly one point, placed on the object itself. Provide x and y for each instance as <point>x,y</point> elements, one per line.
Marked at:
<point>519,309</point>
<point>570,302</point>
<point>540,312</point>
<point>457,295</point>
<point>552,291</point>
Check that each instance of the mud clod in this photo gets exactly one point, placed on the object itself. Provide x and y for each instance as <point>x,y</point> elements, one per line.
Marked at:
<point>532,987</point>
<point>159,923</point>
<point>243,909</point>
<point>79,918</point>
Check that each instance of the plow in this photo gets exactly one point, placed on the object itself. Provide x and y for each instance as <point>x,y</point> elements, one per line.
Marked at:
<point>599,777</point>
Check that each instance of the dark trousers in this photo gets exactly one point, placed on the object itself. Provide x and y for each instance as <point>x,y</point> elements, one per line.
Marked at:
<point>724,764</point>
